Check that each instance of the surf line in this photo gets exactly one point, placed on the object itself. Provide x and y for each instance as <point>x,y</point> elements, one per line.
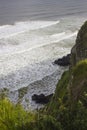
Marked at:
<point>42,45</point>
<point>29,27</point>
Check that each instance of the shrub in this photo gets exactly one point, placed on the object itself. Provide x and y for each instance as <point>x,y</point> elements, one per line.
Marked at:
<point>12,117</point>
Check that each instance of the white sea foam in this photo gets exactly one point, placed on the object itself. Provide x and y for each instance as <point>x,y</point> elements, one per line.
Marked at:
<point>25,42</point>
<point>11,30</point>
<point>26,51</point>
<point>49,40</point>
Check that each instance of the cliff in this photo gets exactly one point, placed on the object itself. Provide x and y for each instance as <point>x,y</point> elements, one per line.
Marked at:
<point>79,51</point>
<point>79,65</point>
<point>69,103</point>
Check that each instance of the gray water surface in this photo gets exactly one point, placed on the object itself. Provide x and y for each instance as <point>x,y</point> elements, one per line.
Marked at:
<point>33,35</point>
<point>20,10</point>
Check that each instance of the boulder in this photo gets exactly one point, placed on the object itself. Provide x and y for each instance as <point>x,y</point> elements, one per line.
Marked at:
<point>64,61</point>
<point>42,99</point>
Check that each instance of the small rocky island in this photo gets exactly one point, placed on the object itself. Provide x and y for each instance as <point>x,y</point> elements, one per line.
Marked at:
<point>64,61</point>
<point>42,99</point>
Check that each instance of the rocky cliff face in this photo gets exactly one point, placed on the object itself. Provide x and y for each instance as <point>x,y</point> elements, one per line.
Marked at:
<point>79,51</point>
<point>78,78</point>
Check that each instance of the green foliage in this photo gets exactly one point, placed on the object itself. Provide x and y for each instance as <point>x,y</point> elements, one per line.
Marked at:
<point>48,122</point>
<point>60,97</point>
<point>12,117</point>
<point>80,69</point>
<point>21,93</point>
<point>75,119</point>
<point>79,81</point>
<point>3,93</point>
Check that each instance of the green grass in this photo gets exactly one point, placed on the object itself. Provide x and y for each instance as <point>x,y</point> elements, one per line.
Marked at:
<point>12,117</point>
<point>60,97</point>
<point>79,81</point>
<point>80,69</point>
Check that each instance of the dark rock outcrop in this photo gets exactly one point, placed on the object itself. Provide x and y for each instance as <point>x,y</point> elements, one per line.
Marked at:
<point>64,61</point>
<point>42,99</point>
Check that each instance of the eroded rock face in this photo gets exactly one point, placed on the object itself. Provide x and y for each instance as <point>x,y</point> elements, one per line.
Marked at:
<point>78,83</point>
<point>79,51</point>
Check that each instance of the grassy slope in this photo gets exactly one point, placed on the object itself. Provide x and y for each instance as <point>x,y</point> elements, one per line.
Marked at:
<point>69,103</point>
<point>79,81</point>
<point>60,96</point>
<point>14,117</point>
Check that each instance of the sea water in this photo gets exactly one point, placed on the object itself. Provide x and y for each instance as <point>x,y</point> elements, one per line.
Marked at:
<point>34,33</point>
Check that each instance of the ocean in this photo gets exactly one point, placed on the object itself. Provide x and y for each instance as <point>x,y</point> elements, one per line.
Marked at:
<point>34,33</point>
